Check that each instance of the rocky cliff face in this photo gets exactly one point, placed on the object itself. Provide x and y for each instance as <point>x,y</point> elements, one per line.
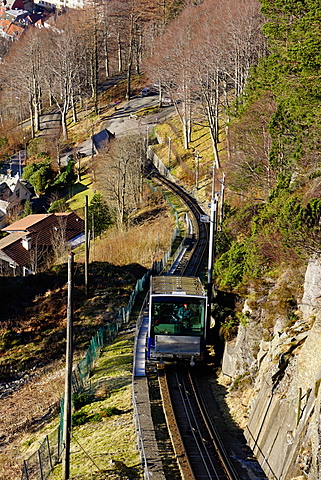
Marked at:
<point>283,424</point>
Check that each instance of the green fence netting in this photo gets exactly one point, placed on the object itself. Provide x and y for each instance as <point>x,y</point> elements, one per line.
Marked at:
<point>154,188</point>
<point>40,463</point>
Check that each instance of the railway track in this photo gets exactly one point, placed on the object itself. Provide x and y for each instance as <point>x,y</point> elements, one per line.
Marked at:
<point>193,258</point>
<point>199,450</point>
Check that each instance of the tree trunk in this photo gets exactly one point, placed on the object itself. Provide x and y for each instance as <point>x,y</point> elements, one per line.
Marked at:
<point>32,126</point>
<point>94,70</point>
<point>138,51</point>
<point>107,72</point>
<point>129,67</point>
<point>120,61</point>
<point>74,109</point>
<point>64,120</point>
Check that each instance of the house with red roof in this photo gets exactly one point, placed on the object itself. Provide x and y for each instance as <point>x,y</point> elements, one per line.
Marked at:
<point>34,239</point>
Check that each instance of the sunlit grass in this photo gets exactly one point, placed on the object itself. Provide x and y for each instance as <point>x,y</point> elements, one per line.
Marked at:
<point>80,190</point>
<point>142,243</point>
<point>200,143</point>
<point>95,444</point>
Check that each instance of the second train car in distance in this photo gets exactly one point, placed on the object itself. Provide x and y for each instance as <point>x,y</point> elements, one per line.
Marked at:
<point>177,319</point>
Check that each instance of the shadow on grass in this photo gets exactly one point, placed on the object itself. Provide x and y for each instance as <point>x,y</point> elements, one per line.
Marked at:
<point>32,322</point>
<point>77,188</point>
<point>118,472</point>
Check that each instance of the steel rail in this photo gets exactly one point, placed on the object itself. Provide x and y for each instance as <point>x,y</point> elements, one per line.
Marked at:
<point>189,265</point>
<point>216,439</point>
<point>195,428</point>
<point>195,434</point>
<point>205,459</point>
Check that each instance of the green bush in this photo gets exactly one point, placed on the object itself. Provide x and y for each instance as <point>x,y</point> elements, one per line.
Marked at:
<point>229,328</point>
<point>100,216</point>
<point>81,399</point>
<point>67,176</point>
<point>39,175</point>
<point>229,268</point>
<point>58,206</point>
<point>80,418</point>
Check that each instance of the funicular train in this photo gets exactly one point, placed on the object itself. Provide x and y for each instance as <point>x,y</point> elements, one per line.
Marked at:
<point>177,319</point>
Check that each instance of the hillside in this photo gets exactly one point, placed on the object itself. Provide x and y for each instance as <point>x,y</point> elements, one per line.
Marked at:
<point>262,131</point>
<point>272,231</point>
<point>267,252</point>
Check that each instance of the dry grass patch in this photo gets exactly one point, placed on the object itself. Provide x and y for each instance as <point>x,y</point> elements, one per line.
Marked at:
<point>26,411</point>
<point>112,437</point>
<point>147,242</point>
<point>183,161</point>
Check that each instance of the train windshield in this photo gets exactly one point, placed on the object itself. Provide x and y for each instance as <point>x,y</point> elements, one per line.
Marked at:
<point>178,316</point>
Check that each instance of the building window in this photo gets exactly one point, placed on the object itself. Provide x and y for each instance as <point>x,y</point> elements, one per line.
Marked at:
<point>18,193</point>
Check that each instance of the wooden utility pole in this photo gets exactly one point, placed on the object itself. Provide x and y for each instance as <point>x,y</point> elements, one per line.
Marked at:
<point>68,378</point>
<point>92,153</point>
<point>78,167</point>
<point>213,178</point>
<point>86,247</point>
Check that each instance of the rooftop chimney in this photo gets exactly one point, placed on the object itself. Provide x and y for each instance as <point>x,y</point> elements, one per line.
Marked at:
<point>26,243</point>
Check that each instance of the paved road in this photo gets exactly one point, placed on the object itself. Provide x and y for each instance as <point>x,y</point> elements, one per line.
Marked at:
<point>15,164</point>
<point>124,122</point>
<point>50,123</point>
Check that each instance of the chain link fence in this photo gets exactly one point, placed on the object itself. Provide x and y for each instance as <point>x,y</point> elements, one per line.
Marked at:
<point>40,464</point>
<point>42,461</point>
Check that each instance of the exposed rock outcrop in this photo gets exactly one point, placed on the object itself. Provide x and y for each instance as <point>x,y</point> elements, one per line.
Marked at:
<point>283,426</point>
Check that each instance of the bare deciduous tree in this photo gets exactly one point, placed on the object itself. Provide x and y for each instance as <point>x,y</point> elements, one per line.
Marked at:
<point>58,238</point>
<point>250,155</point>
<point>207,61</point>
<point>21,70</point>
<point>119,174</point>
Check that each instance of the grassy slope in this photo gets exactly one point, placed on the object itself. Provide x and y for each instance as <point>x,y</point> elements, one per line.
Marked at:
<point>80,190</point>
<point>33,404</point>
<point>98,442</point>
<point>90,315</point>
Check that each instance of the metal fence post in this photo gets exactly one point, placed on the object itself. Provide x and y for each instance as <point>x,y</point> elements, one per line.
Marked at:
<point>25,475</point>
<point>59,443</point>
<point>40,465</point>
<point>49,453</point>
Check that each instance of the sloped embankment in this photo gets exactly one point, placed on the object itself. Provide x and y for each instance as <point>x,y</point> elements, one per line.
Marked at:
<point>281,401</point>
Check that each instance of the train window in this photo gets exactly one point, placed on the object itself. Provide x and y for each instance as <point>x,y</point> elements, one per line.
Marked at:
<point>178,317</point>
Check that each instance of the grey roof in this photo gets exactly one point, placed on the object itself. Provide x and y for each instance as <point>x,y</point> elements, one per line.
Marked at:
<point>12,14</point>
<point>100,139</point>
<point>172,285</point>
<point>9,181</point>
